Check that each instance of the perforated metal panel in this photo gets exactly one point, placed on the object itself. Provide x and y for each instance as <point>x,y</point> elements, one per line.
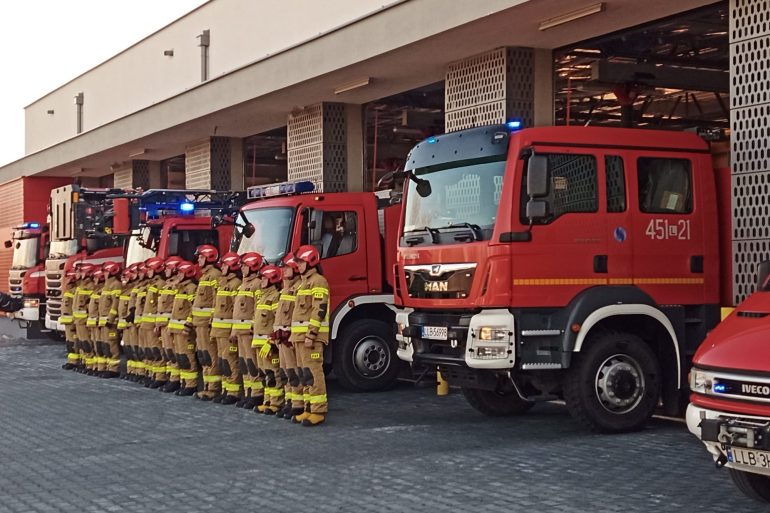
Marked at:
<point>123,176</point>
<point>141,174</point>
<point>220,163</point>
<point>490,88</point>
<point>750,136</point>
<point>317,147</point>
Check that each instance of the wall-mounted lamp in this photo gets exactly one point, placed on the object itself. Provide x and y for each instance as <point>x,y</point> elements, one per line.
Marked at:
<point>49,112</point>
<point>355,84</point>
<point>168,53</point>
<point>571,16</point>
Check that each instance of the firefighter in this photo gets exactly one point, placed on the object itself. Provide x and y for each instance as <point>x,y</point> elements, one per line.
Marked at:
<point>267,351</point>
<point>69,288</point>
<point>166,294</point>
<point>135,311</point>
<point>107,343</point>
<point>203,307</point>
<point>221,328</point>
<point>80,313</point>
<point>287,357</point>
<point>153,359</point>
<point>93,360</point>
<point>180,327</point>
<point>244,301</point>
<point>310,334</point>
<point>127,278</point>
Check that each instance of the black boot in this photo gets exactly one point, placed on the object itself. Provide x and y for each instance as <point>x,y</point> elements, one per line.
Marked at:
<point>68,366</point>
<point>229,399</point>
<point>249,403</point>
<point>218,399</point>
<point>171,386</point>
<point>186,392</point>
<point>108,375</point>
<point>157,384</point>
<point>240,403</point>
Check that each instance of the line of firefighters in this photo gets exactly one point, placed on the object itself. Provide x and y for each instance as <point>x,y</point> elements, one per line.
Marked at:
<point>256,332</point>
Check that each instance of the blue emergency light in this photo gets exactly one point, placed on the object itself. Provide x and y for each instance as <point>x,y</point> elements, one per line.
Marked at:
<point>31,225</point>
<point>514,124</point>
<point>280,189</point>
<point>432,140</point>
<point>720,388</point>
<point>186,208</point>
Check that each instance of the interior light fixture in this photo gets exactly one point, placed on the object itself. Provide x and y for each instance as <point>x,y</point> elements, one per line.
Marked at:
<point>571,16</point>
<point>137,153</point>
<point>355,84</point>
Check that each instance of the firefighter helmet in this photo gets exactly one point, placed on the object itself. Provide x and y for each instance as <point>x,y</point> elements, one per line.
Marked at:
<point>111,268</point>
<point>98,274</point>
<point>209,252</point>
<point>155,263</point>
<point>272,273</point>
<point>141,269</point>
<point>86,269</point>
<point>173,262</point>
<point>188,269</point>
<point>253,261</point>
<point>230,260</point>
<point>309,254</point>
<point>290,261</point>
<point>71,274</point>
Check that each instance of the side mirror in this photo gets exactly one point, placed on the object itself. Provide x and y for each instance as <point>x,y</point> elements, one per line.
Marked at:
<point>537,176</point>
<point>763,276</point>
<point>537,209</point>
<point>423,188</point>
<point>248,230</point>
<point>8,244</point>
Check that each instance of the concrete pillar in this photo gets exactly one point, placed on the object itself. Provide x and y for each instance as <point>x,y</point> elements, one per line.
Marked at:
<point>317,146</point>
<point>154,179</point>
<point>354,145</point>
<point>213,163</point>
<point>498,85</point>
<point>132,175</point>
<point>750,125</point>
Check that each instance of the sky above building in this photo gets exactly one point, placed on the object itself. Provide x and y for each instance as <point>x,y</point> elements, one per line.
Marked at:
<point>49,42</point>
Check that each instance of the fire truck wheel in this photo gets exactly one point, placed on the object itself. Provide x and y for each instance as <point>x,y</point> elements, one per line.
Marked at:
<point>497,403</point>
<point>754,486</point>
<point>613,385</point>
<point>364,356</point>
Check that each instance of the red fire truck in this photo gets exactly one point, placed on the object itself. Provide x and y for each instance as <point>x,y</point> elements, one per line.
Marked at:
<point>26,277</point>
<point>356,236</point>
<point>575,263</point>
<point>730,400</point>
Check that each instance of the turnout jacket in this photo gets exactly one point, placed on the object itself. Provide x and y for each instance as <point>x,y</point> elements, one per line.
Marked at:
<point>244,300</point>
<point>203,304</point>
<point>222,323</point>
<point>311,311</point>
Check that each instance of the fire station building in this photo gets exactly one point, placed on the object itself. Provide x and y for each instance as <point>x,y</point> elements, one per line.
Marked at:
<point>239,93</point>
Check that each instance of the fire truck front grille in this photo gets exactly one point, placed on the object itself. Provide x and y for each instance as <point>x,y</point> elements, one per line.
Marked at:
<point>439,281</point>
<point>53,286</point>
<point>15,281</point>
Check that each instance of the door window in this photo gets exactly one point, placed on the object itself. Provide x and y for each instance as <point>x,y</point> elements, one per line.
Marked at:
<point>334,233</point>
<point>616,184</point>
<point>665,185</point>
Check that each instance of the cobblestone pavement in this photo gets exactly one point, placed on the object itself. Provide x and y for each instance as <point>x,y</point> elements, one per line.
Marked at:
<point>70,442</point>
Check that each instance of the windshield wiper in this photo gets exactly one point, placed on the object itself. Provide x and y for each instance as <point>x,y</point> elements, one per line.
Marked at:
<point>433,232</point>
<point>474,228</point>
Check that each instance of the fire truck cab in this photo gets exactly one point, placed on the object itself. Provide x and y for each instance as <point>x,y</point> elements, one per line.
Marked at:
<point>26,278</point>
<point>575,263</point>
<point>355,232</point>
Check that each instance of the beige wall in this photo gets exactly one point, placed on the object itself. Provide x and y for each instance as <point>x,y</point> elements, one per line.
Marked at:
<point>242,31</point>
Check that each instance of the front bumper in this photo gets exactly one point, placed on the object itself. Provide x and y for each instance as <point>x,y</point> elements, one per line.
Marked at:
<point>52,324</point>
<point>464,346</point>
<point>718,429</point>
<point>28,314</point>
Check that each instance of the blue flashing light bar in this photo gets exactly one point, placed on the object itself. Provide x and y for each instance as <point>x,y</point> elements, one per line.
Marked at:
<point>514,124</point>
<point>187,208</point>
<point>34,226</point>
<point>432,139</point>
<point>280,189</point>
<point>720,388</point>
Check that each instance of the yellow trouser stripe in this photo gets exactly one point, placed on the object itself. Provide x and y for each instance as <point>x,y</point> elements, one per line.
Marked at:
<point>188,375</point>
<point>212,379</point>
<point>316,399</point>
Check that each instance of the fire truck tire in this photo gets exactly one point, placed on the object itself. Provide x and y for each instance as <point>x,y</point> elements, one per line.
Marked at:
<point>754,486</point>
<point>613,385</point>
<point>364,356</point>
<point>497,404</point>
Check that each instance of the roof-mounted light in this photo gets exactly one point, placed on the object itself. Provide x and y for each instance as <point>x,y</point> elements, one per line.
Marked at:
<point>187,208</point>
<point>33,226</point>
<point>280,189</point>
<point>432,139</point>
<point>514,124</point>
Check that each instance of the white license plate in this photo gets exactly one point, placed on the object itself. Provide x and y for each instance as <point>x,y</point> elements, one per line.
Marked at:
<point>434,332</point>
<point>748,457</point>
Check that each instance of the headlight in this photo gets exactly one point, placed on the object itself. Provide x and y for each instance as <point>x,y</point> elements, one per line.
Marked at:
<point>31,303</point>
<point>493,333</point>
<point>699,381</point>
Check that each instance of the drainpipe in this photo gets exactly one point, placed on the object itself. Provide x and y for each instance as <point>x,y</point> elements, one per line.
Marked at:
<point>205,41</point>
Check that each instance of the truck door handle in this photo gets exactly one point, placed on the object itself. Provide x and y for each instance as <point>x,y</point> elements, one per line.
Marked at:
<point>696,264</point>
<point>357,278</point>
<point>600,263</point>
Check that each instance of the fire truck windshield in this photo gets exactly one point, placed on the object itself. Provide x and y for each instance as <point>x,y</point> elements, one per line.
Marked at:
<point>272,232</point>
<point>25,253</point>
<point>63,248</point>
<point>463,195</point>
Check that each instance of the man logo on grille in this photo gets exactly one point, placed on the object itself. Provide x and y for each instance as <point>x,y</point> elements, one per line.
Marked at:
<point>435,270</point>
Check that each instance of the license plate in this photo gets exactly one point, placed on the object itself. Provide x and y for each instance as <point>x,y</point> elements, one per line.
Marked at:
<point>748,457</point>
<point>434,332</point>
